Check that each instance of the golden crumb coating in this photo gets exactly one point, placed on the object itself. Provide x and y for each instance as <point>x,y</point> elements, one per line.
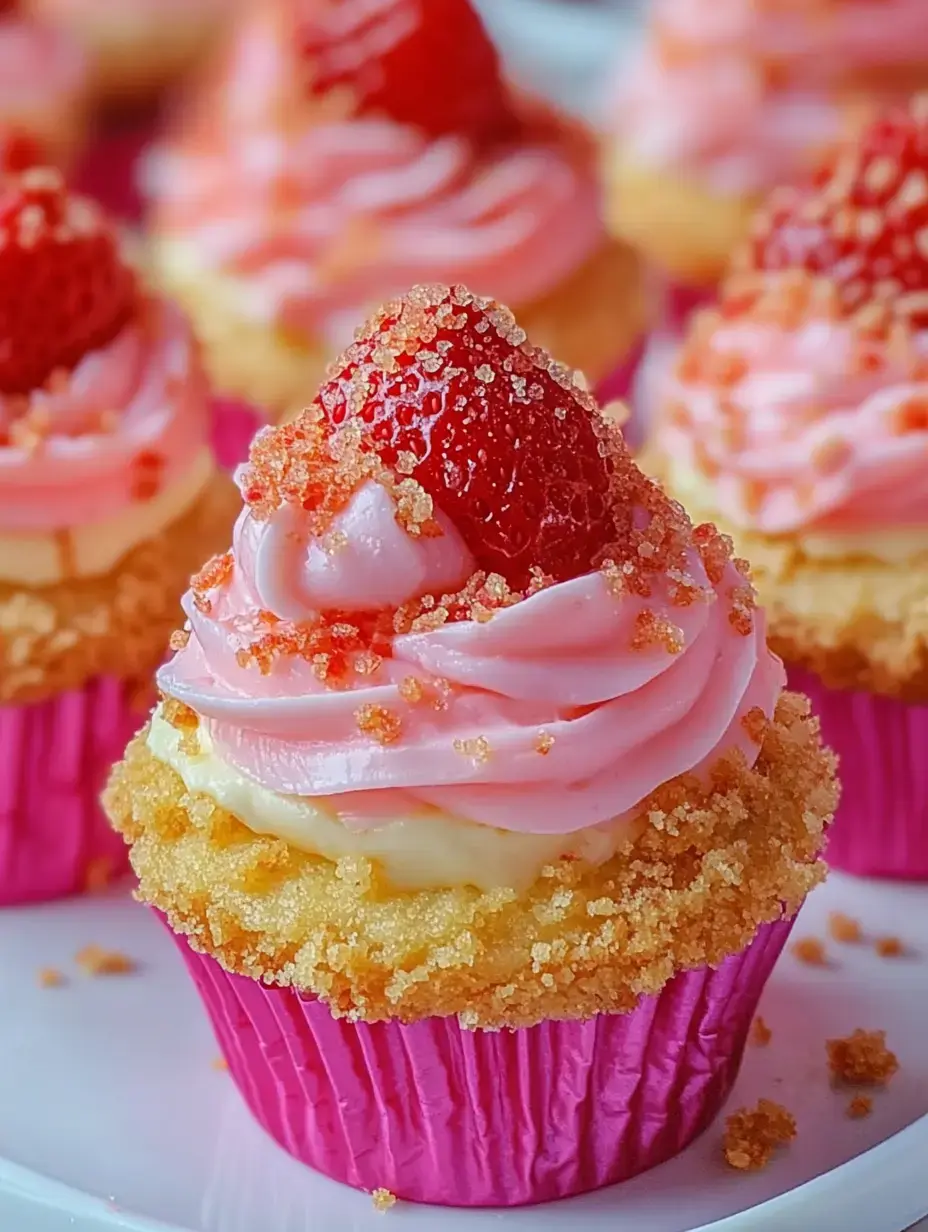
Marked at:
<point>589,322</point>
<point>55,638</point>
<point>710,864</point>
<point>856,622</point>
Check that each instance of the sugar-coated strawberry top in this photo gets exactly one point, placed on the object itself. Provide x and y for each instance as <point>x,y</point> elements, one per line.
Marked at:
<point>445,390</point>
<point>64,288</point>
<point>427,63</point>
<point>864,224</point>
<point>354,644</point>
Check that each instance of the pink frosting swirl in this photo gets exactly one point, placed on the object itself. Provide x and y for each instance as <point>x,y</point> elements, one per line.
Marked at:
<point>822,40</point>
<point>39,67</point>
<point>808,436</point>
<point>747,94</point>
<point>131,415</point>
<point>550,720</point>
<point>321,217</point>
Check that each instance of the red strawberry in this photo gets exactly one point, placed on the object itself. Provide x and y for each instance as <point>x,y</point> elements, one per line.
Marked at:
<point>64,289</point>
<point>865,223</point>
<point>516,454</point>
<point>427,63</point>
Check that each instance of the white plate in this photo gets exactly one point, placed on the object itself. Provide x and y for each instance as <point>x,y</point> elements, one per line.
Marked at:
<point>112,1114</point>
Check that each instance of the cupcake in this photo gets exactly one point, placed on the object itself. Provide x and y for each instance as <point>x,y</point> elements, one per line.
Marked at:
<point>797,418</point>
<point>108,495</point>
<point>136,47</point>
<point>43,87</point>
<point>729,98</point>
<point>343,153</point>
<point>474,777</point>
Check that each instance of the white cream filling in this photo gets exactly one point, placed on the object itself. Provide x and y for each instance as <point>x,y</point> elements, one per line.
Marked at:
<point>890,547</point>
<point>426,850</point>
<point>42,558</point>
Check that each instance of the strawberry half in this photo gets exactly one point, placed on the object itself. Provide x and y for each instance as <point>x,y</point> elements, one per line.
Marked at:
<point>64,289</point>
<point>519,457</point>
<point>427,63</point>
<point>864,225</point>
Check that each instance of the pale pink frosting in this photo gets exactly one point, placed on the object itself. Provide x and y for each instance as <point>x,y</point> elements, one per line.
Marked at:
<point>559,664</point>
<point>715,118</point>
<point>818,447</point>
<point>40,67</point>
<point>822,39</point>
<point>706,106</point>
<point>150,383</point>
<point>320,218</point>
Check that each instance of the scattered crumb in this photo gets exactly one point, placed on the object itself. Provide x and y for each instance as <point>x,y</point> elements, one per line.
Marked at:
<point>752,1135</point>
<point>888,947</point>
<point>860,1106</point>
<point>861,1058</point>
<point>220,1063</point>
<point>95,960</point>
<point>810,950</point>
<point>383,1199</point>
<point>99,874</point>
<point>844,928</point>
<point>50,977</point>
<point>761,1034</point>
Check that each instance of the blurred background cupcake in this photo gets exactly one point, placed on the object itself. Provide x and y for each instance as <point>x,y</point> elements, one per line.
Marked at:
<point>797,417</point>
<point>728,98</point>
<point>136,47</point>
<point>473,774</point>
<point>339,154</point>
<point>44,86</point>
<point>108,498</point>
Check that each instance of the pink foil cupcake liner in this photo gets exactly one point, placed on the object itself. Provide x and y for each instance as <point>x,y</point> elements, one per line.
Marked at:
<point>881,826</point>
<point>438,1114</point>
<point>54,838</point>
<point>234,425</point>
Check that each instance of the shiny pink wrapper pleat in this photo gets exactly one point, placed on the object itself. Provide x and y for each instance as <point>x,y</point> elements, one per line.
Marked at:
<point>439,1114</point>
<point>56,755</point>
<point>881,825</point>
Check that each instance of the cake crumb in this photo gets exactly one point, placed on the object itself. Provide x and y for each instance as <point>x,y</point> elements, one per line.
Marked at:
<point>844,928</point>
<point>752,1135</point>
<point>860,1106</point>
<point>50,977</point>
<point>810,950</point>
<point>888,947</point>
<point>99,874</point>
<point>861,1059</point>
<point>220,1063</point>
<point>761,1034</point>
<point>383,1199</point>
<point>95,960</point>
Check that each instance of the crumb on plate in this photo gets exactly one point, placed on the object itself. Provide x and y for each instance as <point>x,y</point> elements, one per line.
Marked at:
<point>860,1106</point>
<point>844,928</point>
<point>861,1059</point>
<point>752,1135</point>
<point>95,960</point>
<point>99,874</point>
<point>220,1063</point>
<point>810,950</point>
<point>383,1199</point>
<point>50,977</point>
<point>888,947</point>
<point>761,1034</point>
